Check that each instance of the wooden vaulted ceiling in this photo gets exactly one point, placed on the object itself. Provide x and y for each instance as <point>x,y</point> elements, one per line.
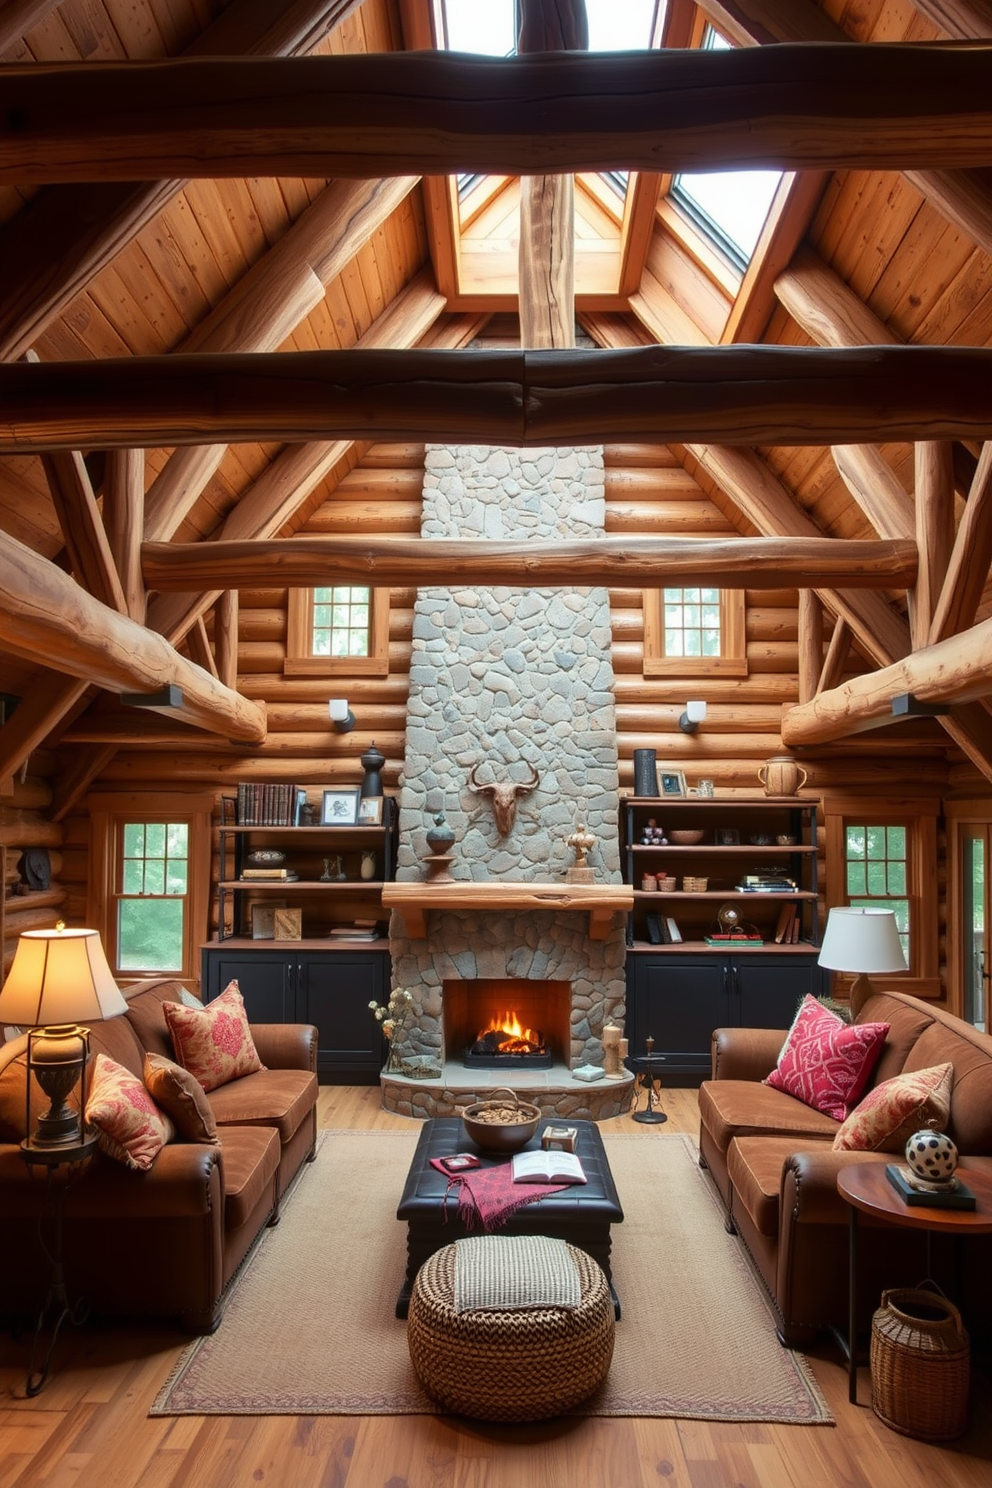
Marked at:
<point>97,269</point>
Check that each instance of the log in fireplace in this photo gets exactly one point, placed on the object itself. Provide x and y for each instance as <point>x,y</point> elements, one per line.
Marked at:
<point>506,1022</point>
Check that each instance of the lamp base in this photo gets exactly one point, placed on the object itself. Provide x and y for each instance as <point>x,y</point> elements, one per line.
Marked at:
<point>57,1057</point>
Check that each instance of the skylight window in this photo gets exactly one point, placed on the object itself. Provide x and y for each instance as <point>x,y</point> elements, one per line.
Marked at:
<point>729,206</point>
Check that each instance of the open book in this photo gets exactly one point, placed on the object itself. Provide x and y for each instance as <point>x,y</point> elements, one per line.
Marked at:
<point>547,1167</point>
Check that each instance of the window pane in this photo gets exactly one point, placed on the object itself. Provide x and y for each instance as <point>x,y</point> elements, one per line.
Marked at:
<point>155,876</point>
<point>175,877</point>
<point>692,626</point>
<point>856,879</point>
<point>150,934</point>
<point>897,879</point>
<point>855,842</point>
<point>876,842</point>
<point>895,842</point>
<point>134,840</point>
<point>177,834</point>
<point>154,839</point>
<point>133,881</point>
<point>342,616</point>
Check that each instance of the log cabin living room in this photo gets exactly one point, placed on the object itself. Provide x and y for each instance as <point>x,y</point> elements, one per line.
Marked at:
<point>380,701</point>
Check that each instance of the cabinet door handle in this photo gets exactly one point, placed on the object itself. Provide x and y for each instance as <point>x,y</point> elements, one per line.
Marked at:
<point>734,980</point>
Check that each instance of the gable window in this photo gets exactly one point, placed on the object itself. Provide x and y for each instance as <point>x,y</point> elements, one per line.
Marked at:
<point>150,881</point>
<point>694,632</point>
<point>337,628</point>
<point>882,855</point>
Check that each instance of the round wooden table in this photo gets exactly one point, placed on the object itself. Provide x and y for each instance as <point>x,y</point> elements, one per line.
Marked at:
<point>867,1190</point>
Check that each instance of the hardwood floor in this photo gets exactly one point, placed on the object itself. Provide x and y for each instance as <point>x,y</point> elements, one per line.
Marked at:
<point>89,1427</point>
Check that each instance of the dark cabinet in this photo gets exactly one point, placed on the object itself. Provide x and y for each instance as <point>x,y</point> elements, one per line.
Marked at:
<point>288,983</point>
<point>679,998</point>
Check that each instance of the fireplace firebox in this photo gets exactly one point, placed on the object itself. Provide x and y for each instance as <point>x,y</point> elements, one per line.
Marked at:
<point>506,1023</point>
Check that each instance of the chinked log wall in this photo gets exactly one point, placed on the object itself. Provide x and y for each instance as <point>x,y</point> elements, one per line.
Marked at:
<point>647,493</point>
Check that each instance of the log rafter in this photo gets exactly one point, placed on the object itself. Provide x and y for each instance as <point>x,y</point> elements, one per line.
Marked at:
<point>788,106</point>
<point>728,394</point>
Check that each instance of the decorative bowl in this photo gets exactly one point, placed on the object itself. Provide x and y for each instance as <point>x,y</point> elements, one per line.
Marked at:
<point>784,839</point>
<point>760,839</point>
<point>266,857</point>
<point>501,1125</point>
<point>686,838</point>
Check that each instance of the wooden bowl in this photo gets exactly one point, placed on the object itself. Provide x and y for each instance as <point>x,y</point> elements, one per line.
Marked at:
<point>501,1136</point>
<point>686,838</point>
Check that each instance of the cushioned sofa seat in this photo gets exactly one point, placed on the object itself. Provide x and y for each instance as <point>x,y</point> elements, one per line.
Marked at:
<point>164,1242</point>
<point>773,1161</point>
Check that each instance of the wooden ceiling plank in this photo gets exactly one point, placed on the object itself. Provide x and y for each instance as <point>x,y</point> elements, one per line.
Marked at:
<point>966,20</point>
<point>49,619</point>
<point>66,235</point>
<point>934,503</point>
<point>766,563</point>
<point>123,513</point>
<point>957,670</point>
<point>745,395</point>
<point>968,566</point>
<point>761,22</point>
<point>790,107</point>
<point>263,308</point>
<point>875,487</point>
<point>40,711</point>
<point>19,16</point>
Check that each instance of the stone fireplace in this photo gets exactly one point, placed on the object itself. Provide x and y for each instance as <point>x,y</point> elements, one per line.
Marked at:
<point>504,683</point>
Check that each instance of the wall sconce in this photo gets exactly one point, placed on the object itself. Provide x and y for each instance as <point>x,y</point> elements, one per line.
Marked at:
<point>693,716</point>
<point>341,715</point>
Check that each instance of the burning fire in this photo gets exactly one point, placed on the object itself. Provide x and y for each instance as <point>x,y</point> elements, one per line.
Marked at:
<point>514,1039</point>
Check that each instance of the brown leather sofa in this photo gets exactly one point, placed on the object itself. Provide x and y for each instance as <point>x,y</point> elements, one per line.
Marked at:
<point>165,1242</point>
<point>771,1159</point>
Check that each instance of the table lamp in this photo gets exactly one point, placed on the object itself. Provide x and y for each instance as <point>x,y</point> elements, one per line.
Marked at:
<point>861,941</point>
<point>58,978</point>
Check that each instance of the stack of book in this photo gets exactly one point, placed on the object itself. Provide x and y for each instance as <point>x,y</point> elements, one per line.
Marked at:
<point>269,875</point>
<point>772,881</point>
<point>360,930</point>
<point>269,805</point>
<point>789,921</point>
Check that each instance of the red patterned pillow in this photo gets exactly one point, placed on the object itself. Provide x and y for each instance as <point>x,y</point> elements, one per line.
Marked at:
<point>825,1062</point>
<point>132,1128</point>
<point>214,1042</point>
<point>890,1114</point>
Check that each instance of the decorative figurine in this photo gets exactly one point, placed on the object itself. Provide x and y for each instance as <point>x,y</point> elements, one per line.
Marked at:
<point>581,841</point>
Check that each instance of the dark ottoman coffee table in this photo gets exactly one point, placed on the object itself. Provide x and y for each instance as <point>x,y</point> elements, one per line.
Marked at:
<point>581,1214</point>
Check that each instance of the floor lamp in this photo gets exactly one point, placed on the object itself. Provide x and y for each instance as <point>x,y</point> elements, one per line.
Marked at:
<point>861,940</point>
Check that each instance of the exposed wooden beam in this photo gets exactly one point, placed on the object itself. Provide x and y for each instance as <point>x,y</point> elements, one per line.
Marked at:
<point>82,527</point>
<point>836,658</point>
<point>765,563</point>
<point>958,670</point>
<point>65,235</point>
<point>967,20</point>
<point>123,517</point>
<point>200,650</point>
<point>796,199</point>
<point>264,308</point>
<point>762,22</point>
<point>876,488</point>
<point>226,637</point>
<point>790,107</point>
<point>18,16</point>
<point>741,395</point>
<point>48,619</point>
<point>50,699</point>
<point>934,485</point>
<point>828,310</point>
<point>810,643</point>
<point>968,566</point>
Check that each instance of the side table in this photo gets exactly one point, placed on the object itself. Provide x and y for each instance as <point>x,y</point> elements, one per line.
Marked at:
<point>867,1190</point>
<point>56,1299</point>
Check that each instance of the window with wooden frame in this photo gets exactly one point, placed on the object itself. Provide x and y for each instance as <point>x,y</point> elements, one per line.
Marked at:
<point>149,888</point>
<point>337,630</point>
<point>694,632</point>
<point>882,853</point>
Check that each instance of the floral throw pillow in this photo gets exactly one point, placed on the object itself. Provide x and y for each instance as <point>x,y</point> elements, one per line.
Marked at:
<point>132,1128</point>
<point>181,1097</point>
<point>214,1042</point>
<point>825,1062</point>
<point>890,1114</point>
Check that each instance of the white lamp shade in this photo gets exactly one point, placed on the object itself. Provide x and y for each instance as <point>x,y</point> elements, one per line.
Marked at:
<point>59,976</point>
<point>338,709</point>
<point>696,711</point>
<point>862,940</point>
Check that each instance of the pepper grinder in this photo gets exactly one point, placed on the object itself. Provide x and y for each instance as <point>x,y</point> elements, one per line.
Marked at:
<point>651,1115</point>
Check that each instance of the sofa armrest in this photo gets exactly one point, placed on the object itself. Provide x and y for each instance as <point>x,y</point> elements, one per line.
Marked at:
<point>286,1045</point>
<point>809,1184</point>
<point>185,1180</point>
<point>745,1053</point>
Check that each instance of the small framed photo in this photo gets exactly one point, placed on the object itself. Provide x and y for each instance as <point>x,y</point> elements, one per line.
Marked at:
<point>727,837</point>
<point>370,811</point>
<point>340,807</point>
<point>287,924</point>
<point>672,782</point>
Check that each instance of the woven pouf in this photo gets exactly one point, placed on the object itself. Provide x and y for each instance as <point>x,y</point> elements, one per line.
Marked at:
<point>509,1365</point>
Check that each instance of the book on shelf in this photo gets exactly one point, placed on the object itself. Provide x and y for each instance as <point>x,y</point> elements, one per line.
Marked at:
<point>787,922</point>
<point>767,886</point>
<point>354,932</point>
<point>728,942</point>
<point>269,875</point>
<point>547,1167</point>
<point>272,805</point>
<point>902,1180</point>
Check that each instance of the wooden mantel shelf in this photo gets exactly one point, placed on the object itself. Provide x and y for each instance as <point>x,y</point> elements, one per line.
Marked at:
<point>599,901</point>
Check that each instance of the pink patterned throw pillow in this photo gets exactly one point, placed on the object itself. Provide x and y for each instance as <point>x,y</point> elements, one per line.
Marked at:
<point>214,1042</point>
<point>132,1128</point>
<point>890,1114</point>
<point>825,1062</point>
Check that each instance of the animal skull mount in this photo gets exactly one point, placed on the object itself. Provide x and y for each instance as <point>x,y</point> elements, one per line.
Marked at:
<point>504,795</point>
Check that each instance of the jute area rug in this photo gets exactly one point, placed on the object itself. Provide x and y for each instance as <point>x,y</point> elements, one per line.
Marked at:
<point>310,1327</point>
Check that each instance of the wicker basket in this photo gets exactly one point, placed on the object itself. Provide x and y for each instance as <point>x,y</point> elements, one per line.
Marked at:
<point>666,883</point>
<point>522,1365</point>
<point>694,885</point>
<point>919,1365</point>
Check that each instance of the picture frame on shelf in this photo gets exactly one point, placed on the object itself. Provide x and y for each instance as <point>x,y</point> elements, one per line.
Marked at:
<point>287,924</point>
<point>671,782</point>
<point>727,837</point>
<point>339,806</point>
<point>370,811</point>
<point>674,933</point>
<point>263,918</point>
